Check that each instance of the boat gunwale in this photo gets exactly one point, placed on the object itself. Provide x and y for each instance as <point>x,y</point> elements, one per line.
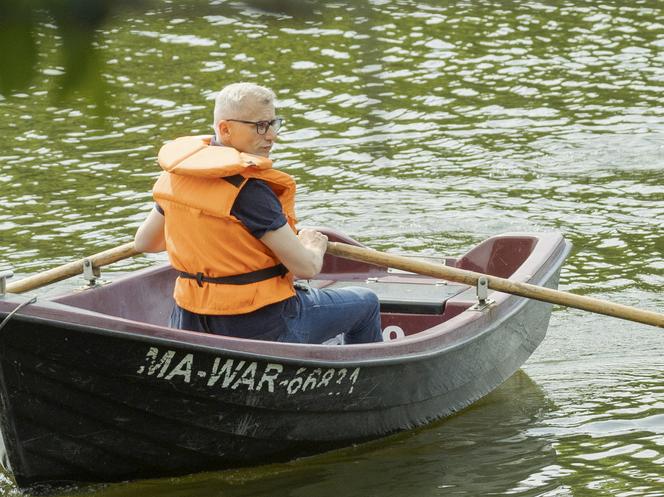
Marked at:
<point>467,326</point>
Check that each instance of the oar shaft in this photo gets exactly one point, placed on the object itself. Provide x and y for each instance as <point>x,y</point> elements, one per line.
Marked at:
<point>495,283</point>
<point>72,269</point>
<point>388,260</point>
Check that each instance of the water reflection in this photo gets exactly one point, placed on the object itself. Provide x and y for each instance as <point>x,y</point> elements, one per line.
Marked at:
<point>608,425</point>
<point>418,127</point>
<point>481,117</point>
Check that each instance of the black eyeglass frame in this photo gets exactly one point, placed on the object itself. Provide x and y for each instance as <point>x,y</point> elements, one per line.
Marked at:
<point>275,124</point>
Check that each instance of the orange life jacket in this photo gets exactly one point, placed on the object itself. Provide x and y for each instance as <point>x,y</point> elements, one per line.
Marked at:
<point>224,268</point>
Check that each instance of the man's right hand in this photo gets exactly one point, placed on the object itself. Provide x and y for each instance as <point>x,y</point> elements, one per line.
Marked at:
<point>301,254</point>
<point>312,239</point>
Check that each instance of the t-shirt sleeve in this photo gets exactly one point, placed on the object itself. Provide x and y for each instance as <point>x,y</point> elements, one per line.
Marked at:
<point>258,208</point>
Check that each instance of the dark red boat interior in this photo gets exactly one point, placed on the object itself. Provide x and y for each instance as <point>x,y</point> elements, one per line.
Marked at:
<point>410,303</point>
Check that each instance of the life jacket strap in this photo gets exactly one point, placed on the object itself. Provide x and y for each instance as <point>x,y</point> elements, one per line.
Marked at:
<point>238,279</point>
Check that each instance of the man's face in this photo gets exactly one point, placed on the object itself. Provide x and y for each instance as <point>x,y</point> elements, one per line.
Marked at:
<point>244,137</point>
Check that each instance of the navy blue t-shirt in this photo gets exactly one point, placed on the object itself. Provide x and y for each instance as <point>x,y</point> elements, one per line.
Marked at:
<point>258,208</point>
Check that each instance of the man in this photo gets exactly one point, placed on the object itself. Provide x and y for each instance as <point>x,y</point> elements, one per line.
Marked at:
<point>227,220</point>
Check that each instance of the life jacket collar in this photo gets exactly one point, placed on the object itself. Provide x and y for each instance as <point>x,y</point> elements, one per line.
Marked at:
<point>194,156</point>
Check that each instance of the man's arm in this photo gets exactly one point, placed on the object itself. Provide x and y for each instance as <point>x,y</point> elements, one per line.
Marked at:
<point>302,254</point>
<point>150,235</point>
<point>259,210</point>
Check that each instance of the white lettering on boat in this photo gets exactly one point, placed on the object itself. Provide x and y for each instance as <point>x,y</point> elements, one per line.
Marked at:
<point>182,369</point>
<point>161,364</point>
<point>234,374</point>
<point>226,370</point>
<point>276,369</point>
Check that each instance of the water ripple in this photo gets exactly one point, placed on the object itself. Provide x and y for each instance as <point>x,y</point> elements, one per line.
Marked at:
<point>416,128</point>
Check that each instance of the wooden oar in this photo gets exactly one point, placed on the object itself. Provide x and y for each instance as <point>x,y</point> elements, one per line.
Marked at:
<point>382,259</point>
<point>500,284</point>
<point>72,269</point>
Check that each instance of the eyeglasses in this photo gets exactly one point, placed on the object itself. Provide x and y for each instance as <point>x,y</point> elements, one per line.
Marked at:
<point>263,126</point>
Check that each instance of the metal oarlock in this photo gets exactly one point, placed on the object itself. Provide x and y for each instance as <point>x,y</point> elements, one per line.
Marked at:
<point>482,290</point>
<point>91,273</point>
<point>482,295</point>
<point>4,276</point>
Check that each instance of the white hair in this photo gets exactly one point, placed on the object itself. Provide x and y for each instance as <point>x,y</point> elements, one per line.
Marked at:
<point>233,100</point>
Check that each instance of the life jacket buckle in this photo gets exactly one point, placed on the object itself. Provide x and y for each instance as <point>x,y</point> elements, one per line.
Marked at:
<point>199,279</point>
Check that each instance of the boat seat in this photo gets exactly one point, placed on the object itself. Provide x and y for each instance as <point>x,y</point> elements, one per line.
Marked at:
<point>408,297</point>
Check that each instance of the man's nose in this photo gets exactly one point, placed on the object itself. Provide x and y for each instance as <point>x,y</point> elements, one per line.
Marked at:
<point>270,134</point>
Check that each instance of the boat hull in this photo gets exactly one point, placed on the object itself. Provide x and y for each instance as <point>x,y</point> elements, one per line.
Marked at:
<point>85,403</point>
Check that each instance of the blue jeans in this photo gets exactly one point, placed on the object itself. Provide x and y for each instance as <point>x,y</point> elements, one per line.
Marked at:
<point>316,316</point>
<point>312,316</point>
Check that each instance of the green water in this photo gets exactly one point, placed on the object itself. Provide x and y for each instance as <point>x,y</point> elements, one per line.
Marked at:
<point>413,127</point>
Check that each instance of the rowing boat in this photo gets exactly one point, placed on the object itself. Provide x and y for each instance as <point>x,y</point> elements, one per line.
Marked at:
<point>95,387</point>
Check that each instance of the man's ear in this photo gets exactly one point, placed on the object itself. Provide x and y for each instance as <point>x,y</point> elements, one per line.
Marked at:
<point>224,129</point>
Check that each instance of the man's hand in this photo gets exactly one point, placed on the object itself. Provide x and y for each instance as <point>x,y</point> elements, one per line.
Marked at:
<point>301,254</point>
<point>313,240</point>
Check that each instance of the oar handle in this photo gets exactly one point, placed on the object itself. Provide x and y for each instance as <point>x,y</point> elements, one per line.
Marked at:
<point>495,283</point>
<point>72,268</point>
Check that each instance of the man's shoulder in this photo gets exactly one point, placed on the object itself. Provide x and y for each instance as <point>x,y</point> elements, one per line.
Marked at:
<point>257,194</point>
<point>258,208</point>
<point>256,186</point>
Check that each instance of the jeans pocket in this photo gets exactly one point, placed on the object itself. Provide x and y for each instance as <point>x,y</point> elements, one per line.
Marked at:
<point>291,308</point>
<point>292,317</point>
